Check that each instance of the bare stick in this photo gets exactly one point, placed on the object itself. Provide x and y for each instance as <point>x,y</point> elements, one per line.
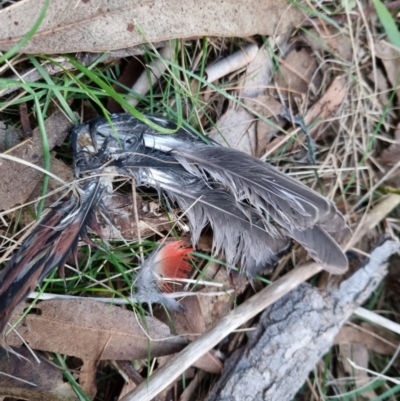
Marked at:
<point>136,218</point>
<point>234,62</point>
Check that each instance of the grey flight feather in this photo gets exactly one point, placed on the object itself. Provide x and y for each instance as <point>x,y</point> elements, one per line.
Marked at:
<point>252,207</point>
<point>240,233</point>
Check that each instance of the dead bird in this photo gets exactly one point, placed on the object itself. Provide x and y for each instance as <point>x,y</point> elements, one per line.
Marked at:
<point>253,209</point>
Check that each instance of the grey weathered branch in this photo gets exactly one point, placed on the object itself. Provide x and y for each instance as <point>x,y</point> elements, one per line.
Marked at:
<point>294,333</point>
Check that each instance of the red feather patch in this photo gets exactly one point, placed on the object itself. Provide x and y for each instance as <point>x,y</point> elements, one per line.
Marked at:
<point>172,261</point>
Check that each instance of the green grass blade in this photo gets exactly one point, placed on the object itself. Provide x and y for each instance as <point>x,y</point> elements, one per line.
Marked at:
<point>389,25</point>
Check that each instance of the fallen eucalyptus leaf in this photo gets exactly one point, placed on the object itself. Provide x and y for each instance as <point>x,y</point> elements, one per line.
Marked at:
<point>91,330</point>
<point>19,180</point>
<point>96,26</point>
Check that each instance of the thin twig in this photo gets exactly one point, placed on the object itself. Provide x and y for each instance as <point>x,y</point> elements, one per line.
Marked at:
<point>136,217</point>
<point>377,319</point>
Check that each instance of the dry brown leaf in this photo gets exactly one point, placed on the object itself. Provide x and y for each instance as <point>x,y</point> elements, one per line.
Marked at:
<point>378,77</point>
<point>327,105</point>
<point>352,335</point>
<point>213,308</point>
<point>297,73</point>
<point>209,363</point>
<point>358,354</point>
<point>18,180</point>
<point>328,38</point>
<point>386,338</point>
<point>97,26</point>
<point>47,380</point>
<point>237,129</point>
<point>391,155</point>
<point>238,126</point>
<point>268,107</point>
<point>390,57</point>
<point>191,323</point>
<point>257,76</point>
<point>87,378</point>
<point>91,330</point>
<point>9,137</point>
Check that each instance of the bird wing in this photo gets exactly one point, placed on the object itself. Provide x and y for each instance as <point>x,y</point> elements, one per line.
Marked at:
<point>47,246</point>
<point>236,193</point>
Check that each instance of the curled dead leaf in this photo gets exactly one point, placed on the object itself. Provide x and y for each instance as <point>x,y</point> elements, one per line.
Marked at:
<point>91,330</point>
<point>238,127</point>
<point>368,338</point>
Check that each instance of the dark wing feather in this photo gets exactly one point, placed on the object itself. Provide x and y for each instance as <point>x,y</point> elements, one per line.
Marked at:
<point>248,178</point>
<point>250,187</point>
<point>304,214</point>
<point>240,233</point>
<point>322,247</point>
<point>46,247</point>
